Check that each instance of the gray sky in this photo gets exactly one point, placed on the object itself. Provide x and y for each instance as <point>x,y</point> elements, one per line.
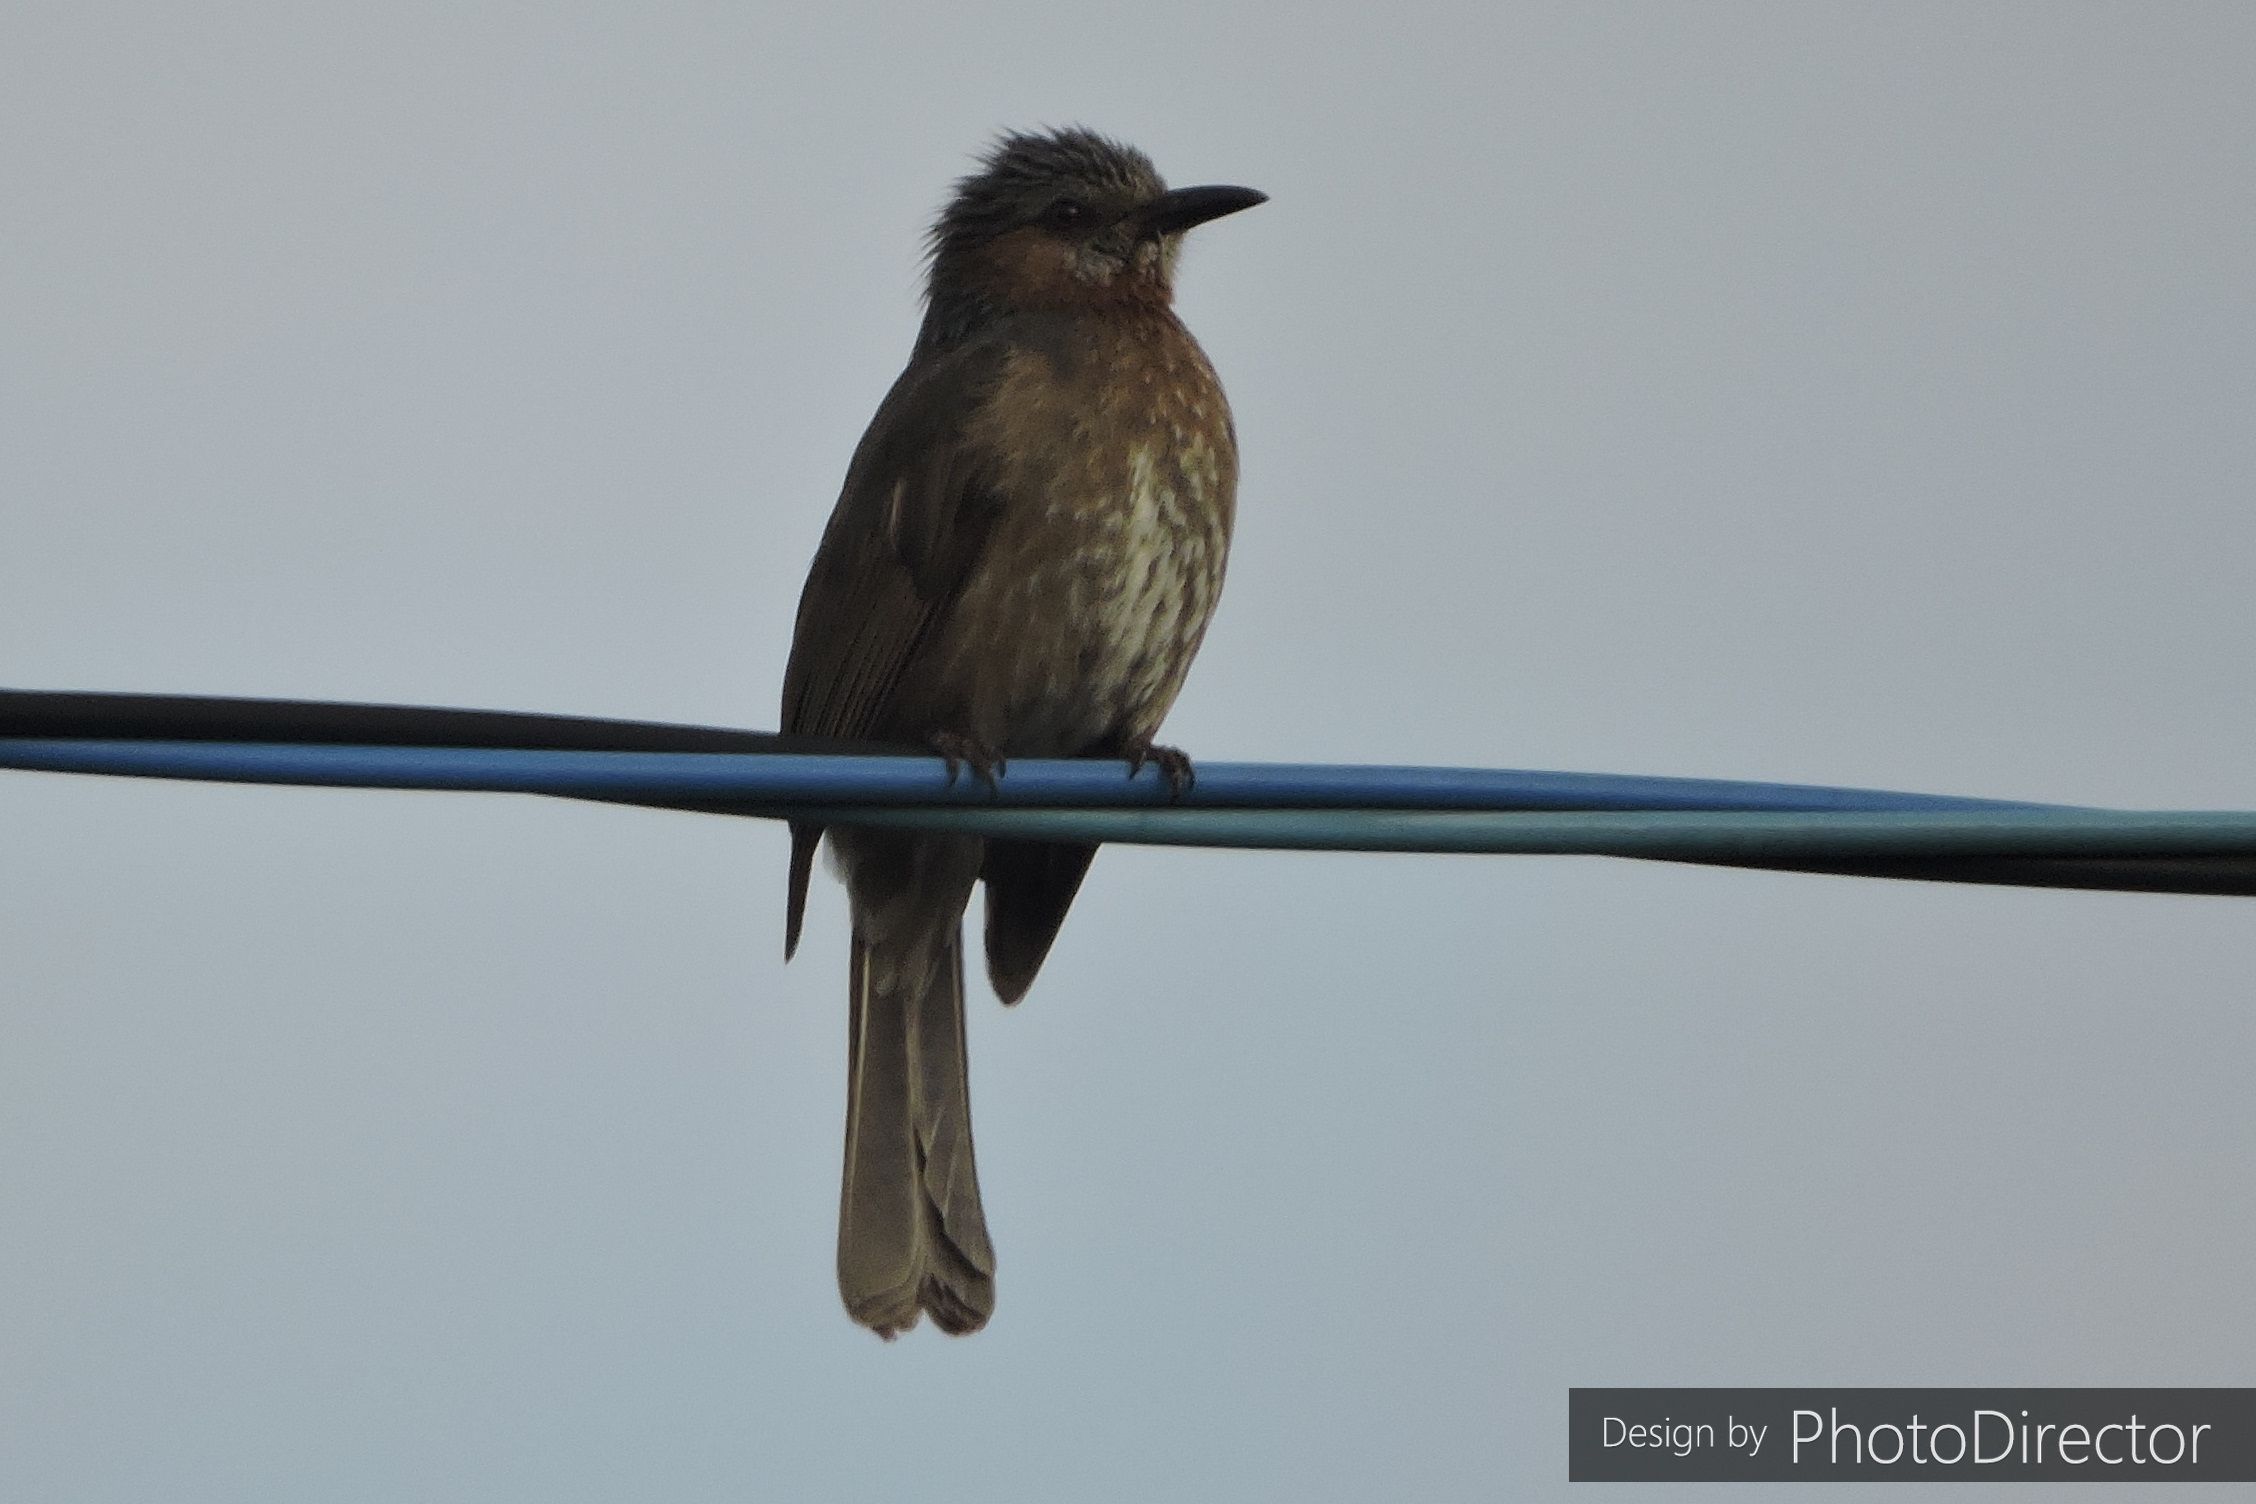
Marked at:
<point>1848,394</point>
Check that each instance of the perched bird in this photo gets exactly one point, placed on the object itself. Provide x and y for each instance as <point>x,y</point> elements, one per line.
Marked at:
<point>1025,555</point>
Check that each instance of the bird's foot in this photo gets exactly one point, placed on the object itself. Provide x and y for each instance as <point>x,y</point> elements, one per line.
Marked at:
<point>960,752</point>
<point>1174,764</point>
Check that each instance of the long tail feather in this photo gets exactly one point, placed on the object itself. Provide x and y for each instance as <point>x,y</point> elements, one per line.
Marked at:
<point>911,1233</point>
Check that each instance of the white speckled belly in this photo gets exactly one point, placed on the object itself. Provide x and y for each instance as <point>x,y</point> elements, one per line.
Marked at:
<point>1106,563</point>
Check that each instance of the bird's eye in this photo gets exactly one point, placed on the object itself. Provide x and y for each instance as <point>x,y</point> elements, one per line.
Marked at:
<point>1065,214</point>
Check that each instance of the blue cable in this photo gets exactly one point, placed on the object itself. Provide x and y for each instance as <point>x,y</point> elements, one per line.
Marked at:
<point>1866,832</point>
<point>775,779</point>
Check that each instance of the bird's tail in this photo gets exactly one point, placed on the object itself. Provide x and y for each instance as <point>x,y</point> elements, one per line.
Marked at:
<point>911,1235</point>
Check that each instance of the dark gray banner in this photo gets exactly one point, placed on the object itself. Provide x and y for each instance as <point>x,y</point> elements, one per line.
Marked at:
<point>1911,1435</point>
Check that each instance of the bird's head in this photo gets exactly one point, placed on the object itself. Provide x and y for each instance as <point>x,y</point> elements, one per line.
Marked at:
<point>1067,218</point>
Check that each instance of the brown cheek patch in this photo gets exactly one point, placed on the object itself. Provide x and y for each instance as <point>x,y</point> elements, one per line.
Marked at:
<point>1030,266</point>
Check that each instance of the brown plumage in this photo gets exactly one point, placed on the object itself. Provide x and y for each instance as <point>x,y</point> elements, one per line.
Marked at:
<point>1029,544</point>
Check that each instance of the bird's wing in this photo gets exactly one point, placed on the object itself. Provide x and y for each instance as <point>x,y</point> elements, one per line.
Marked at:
<point>920,501</point>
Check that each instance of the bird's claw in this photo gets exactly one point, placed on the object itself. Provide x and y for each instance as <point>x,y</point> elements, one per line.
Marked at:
<point>959,752</point>
<point>1173,762</point>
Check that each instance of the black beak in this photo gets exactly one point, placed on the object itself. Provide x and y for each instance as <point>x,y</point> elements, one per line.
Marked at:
<point>1174,212</point>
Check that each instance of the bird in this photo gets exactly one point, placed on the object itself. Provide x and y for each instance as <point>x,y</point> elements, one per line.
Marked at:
<point>1022,562</point>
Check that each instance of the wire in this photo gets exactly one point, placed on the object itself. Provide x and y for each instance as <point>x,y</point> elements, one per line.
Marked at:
<point>1791,827</point>
<point>697,778</point>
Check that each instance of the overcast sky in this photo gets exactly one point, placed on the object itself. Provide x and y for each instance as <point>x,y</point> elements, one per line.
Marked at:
<point>1852,394</point>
